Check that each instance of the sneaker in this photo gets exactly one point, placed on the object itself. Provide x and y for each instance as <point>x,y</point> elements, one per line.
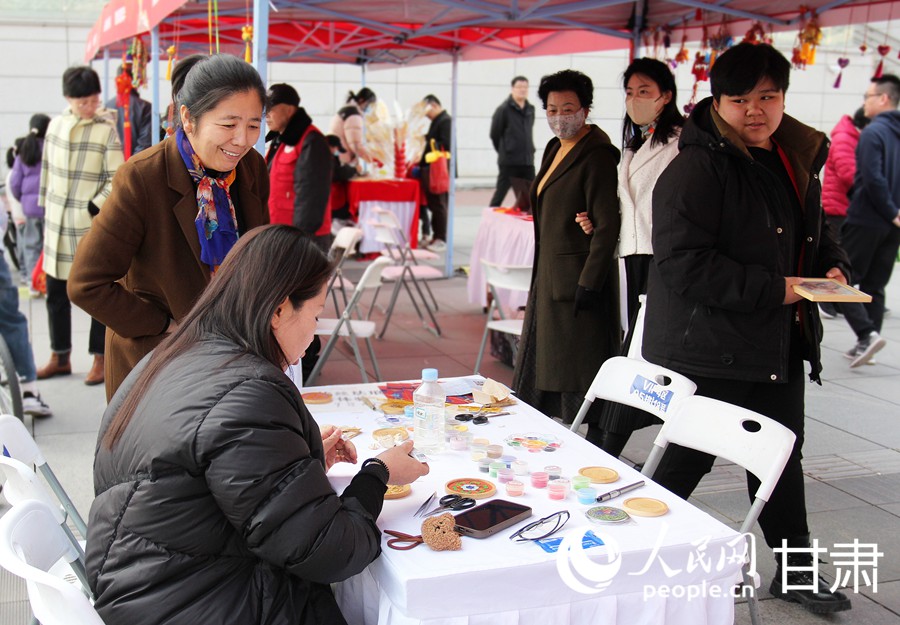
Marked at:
<point>33,404</point>
<point>866,348</point>
<point>437,246</point>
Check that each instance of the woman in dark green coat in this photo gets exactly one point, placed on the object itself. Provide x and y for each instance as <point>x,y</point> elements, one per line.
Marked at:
<point>572,321</point>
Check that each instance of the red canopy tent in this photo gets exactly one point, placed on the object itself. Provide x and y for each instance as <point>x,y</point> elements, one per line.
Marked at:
<point>421,31</point>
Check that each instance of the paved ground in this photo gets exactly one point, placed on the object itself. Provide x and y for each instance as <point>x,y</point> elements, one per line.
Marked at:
<point>852,450</point>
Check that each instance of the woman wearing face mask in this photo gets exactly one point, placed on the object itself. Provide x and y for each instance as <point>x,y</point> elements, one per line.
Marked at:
<point>650,134</point>
<point>571,321</point>
<point>349,125</point>
<point>175,211</point>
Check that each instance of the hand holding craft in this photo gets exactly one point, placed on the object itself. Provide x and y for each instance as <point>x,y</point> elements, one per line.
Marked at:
<point>403,468</point>
<point>336,448</point>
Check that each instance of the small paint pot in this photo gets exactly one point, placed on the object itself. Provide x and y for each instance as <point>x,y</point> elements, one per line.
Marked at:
<point>553,471</point>
<point>478,454</point>
<point>508,460</point>
<point>558,489</point>
<point>520,467</point>
<point>494,451</point>
<point>459,441</point>
<point>496,466</point>
<point>539,479</point>
<point>504,475</point>
<point>580,481</point>
<point>484,465</point>
<point>515,488</point>
<point>586,495</point>
<point>480,442</point>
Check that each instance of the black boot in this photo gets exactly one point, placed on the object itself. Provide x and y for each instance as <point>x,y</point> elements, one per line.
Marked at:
<point>813,594</point>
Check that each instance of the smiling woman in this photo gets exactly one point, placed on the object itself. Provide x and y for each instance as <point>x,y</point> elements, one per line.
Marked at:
<point>175,212</point>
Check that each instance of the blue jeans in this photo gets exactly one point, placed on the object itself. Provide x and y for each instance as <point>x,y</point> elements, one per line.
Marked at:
<point>14,326</point>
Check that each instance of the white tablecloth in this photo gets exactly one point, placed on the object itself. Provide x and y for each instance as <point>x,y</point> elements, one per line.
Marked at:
<point>495,581</point>
<point>505,239</point>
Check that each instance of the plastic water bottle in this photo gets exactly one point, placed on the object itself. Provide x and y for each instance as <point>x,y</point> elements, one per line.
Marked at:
<point>428,412</point>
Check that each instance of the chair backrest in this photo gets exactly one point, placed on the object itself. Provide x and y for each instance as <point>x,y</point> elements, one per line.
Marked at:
<point>21,484</point>
<point>641,385</point>
<point>17,442</point>
<point>30,543</point>
<point>387,235</point>
<point>371,277</point>
<point>510,277</point>
<point>637,332</point>
<point>388,217</point>
<point>346,240</point>
<point>753,441</point>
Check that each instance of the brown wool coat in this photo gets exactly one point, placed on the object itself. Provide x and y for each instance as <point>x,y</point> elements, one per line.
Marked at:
<point>571,349</point>
<point>140,263</point>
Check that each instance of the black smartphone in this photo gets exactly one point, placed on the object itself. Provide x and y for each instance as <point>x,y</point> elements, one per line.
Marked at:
<point>491,517</point>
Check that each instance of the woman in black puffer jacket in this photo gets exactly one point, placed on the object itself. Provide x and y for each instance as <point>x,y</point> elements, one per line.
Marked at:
<point>212,504</point>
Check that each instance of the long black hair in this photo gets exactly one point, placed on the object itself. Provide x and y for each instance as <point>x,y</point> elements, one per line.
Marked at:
<point>267,265</point>
<point>670,118</point>
<point>32,147</point>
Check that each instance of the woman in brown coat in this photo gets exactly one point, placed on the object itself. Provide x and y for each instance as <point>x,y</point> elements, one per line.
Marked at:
<point>174,212</point>
<point>572,321</point>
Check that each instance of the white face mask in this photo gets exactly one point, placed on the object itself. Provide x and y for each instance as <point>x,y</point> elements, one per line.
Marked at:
<point>566,126</point>
<point>643,111</point>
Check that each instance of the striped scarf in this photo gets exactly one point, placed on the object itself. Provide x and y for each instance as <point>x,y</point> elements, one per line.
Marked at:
<point>216,237</point>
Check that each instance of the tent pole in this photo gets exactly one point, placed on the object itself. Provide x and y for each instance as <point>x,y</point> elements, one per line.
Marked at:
<point>639,7</point>
<point>106,91</point>
<point>451,199</point>
<point>260,50</point>
<point>154,86</point>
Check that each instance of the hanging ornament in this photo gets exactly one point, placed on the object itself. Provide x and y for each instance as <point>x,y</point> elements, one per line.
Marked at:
<point>865,44</point>
<point>123,101</point>
<point>810,36</point>
<point>719,42</point>
<point>137,57</point>
<point>756,34</point>
<point>247,36</point>
<point>883,50</point>
<point>171,52</point>
<point>683,55</point>
<point>842,63</point>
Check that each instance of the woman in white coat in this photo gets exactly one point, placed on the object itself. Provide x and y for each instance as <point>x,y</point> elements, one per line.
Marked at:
<point>650,134</point>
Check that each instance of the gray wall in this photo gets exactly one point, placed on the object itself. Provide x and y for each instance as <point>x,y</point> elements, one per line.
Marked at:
<point>36,55</point>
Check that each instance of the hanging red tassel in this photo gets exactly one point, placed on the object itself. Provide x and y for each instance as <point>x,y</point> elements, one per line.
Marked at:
<point>842,63</point>
<point>879,70</point>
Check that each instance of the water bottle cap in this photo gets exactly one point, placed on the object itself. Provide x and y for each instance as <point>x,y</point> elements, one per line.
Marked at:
<point>429,375</point>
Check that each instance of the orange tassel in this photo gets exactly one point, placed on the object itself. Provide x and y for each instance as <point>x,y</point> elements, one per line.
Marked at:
<point>247,36</point>
<point>171,52</point>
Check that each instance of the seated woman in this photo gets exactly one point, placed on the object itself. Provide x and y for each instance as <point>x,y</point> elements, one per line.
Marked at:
<point>212,504</point>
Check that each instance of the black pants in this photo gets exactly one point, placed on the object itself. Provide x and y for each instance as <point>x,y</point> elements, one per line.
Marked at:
<point>504,180</point>
<point>437,206</point>
<point>872,252</point>
<point>784,516</point>
<point>59,318</point>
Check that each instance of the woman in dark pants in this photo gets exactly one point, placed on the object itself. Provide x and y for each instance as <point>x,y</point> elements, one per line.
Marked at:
<point>571,321</point>
<point>737,219</point>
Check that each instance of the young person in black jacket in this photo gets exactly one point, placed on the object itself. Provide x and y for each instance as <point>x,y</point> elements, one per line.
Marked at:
<point>737,221</point>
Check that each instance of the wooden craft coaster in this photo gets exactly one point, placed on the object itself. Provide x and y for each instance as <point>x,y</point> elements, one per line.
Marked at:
<point>606,514</point>
<point>599,475</point>
<point>316,397</point>
<point>645,506</point>
<point>394,406</point>
<point>397,492</point>
<point>398,434</point>
<point>471,487</point>
<point>350,431</point>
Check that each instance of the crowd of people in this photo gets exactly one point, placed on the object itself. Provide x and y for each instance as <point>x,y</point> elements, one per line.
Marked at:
<point>203,265</point>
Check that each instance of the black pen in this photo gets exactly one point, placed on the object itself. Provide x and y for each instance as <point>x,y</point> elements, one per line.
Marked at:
<point>619,491</point>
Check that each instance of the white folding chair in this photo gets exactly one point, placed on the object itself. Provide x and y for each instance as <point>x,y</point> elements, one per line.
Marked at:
<point>753,441</point>
<point>511,278</point>
<point>21,484</point>
<point>343,246</point>
<point>636,383</point>
<point>637,334</point>
<point>388,218</point>
<point>17,443</point>
<point>31,544</point>
<point>351,328</point>
<point>404,271</point>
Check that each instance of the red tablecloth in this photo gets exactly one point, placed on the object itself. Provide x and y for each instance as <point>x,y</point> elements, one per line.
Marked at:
<point>399,196</point>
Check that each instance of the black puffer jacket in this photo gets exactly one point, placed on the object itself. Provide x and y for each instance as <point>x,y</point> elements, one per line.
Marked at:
<point>723,242</point>
<point>214,507</point>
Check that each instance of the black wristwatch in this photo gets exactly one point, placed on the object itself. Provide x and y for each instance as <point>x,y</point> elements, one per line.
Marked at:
<point>381,469</point>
